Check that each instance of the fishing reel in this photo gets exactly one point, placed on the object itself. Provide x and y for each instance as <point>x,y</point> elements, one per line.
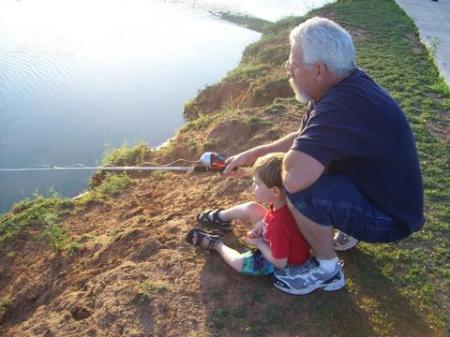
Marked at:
<point>211,161</point>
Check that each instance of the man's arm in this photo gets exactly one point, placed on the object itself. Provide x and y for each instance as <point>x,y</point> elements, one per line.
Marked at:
<point>249,157</point>
<point>300,171</point>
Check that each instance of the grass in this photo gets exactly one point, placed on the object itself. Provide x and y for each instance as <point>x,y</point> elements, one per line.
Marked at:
<point>41,216</point>
<point>127,156</point>
<point>200,123</point>
<point>153,286</point>
<point>406,281</point>
<point>37,214</point>
<point>111,186</point>
<point>397,289</point>
<point>4,303</point>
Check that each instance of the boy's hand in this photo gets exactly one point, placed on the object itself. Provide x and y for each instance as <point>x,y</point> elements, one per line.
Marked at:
<point>254,233</point>
<point>254,242</point>
<point>257,230</point>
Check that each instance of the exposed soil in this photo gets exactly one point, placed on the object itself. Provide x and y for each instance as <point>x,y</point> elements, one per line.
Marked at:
<point>134,274</point>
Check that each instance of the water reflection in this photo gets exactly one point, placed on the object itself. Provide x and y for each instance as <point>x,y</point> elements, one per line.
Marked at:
<point>77,75</point>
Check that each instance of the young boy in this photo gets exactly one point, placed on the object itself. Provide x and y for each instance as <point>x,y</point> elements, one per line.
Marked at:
<point>276,236</point>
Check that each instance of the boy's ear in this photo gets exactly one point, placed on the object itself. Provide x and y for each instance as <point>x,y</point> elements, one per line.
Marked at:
<point>276,191</point>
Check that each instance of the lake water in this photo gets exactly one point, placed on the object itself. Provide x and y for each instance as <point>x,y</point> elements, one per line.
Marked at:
<point>78,76</point>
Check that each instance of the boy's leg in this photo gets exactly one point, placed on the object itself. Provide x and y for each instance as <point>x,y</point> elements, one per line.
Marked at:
<point>249,211</point>
<point>232,257</point>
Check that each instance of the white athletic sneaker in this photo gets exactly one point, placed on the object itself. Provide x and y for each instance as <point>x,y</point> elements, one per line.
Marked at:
<point>344,241</point>
<point>302,280</point>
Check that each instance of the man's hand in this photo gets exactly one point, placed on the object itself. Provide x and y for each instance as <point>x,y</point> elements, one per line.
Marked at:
<point>234,162</point>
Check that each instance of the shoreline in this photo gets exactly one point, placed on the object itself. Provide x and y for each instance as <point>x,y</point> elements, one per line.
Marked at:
<point>116,262</point>
<point>432,19</point>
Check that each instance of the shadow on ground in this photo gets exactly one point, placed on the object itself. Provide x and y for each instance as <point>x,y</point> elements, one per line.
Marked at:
<point>370,305</point>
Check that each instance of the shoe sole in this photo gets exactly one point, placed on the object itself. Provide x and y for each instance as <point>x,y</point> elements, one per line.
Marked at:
<point>347,246</point>
<point>335,283</point>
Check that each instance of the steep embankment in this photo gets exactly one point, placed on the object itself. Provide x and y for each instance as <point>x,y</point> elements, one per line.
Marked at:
<point>114,262</point>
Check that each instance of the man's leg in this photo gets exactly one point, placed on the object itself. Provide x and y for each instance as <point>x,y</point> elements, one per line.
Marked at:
<point>319,237</point>
<point>343,241</point>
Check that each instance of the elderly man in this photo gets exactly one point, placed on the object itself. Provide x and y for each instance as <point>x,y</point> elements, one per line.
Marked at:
<point>353,163</point>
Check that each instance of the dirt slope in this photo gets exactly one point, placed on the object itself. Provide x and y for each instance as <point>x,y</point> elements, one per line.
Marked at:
<point>130,272</point>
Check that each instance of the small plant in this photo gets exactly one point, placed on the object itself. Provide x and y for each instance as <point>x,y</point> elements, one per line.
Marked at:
<point>126,155</point>
<point>219,318</point>
<point>158,175</point>
<point>190,108</point>
<point>114,232</point>
<point>112,185</point>
<point>54,233</point>
<point>192,144</point>
<point>209,145</point>
<point>4,304</point>
<point>434,46</point>
<point>202,122</point>
<point>39,213</point>
<point>150,286</point>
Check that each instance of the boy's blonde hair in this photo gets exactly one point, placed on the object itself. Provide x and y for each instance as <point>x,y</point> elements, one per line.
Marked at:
<point>268,169</point>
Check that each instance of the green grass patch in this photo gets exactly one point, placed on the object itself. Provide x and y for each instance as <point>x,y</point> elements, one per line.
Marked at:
<point>111,186</point>
<point>200,123</point>
<point>40,214</point>
<point>126,155</point>
<point>248,72</point>
<point>153,286</point>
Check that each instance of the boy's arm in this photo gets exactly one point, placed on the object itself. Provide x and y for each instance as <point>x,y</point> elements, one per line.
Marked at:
<point>265,250</point>
<point>257,230</point>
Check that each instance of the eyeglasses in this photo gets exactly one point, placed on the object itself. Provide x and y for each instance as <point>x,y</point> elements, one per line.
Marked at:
<point>288,66</point>
<point>291,66</point>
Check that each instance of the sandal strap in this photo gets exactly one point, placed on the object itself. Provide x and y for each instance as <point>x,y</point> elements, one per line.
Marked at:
<point>198,235</point>
<point>216,217</point>
<point>212,218</point>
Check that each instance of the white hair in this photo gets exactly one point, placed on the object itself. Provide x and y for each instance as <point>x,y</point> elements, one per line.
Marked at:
<point>324,41</point>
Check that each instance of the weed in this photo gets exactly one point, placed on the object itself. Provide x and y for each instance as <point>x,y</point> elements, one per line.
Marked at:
<point>201,122</point>
<point>150,286</point>
<point>114,232</point>
<point>39,213</point>
<point>259,121</point>
<point>126,155</point>
<point>191,144</point>
<point>158,175</point>
<point>210,144</point>
<point>4,304</point>
<point>54,233</point>
<point>248,72</point>
<point>219,318</point>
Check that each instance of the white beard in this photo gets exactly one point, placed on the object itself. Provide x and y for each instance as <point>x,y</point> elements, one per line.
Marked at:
<point>299,96</point>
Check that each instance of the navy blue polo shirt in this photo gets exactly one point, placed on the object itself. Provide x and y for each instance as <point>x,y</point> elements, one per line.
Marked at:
<point>357,129</point>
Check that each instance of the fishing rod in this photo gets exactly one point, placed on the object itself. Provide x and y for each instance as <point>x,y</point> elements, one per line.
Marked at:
<point>209,161</point>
